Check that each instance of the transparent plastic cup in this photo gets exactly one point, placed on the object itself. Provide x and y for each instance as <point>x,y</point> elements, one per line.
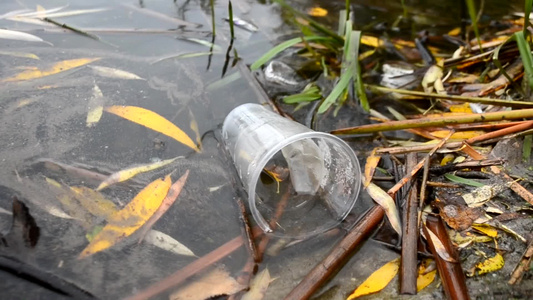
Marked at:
<point>299,182</point>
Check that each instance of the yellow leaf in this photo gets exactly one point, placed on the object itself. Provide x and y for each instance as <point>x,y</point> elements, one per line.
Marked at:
<point>153,121</point>
<point>129,219</point>
<point>54,69</point>
<point>370,166</point>
<point>317,12</point>
<point>371,41</point>
<point>131,172</point>
<point>94,202</point>
<point>460,135</point>
<point>491,264</point>
<point>486,229</point>
<point>424,278</point>
<point>258,286</point>
<point>378,280</point>
<point>194,127</point>
<point>461,108</point>
<point>447,159</point>
<point>385,200</point>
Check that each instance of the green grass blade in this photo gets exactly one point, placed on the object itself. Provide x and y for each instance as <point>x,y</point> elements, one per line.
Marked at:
<point>281,47</point>
<point>230,10</point>
<point>359,85</point>
<point>343,83</point>
<point>342,22</point>
<point>473,17</point>
<point>498,64</point>
<point>461,180</point>
<point>527,11</point>
<point>525,54</point>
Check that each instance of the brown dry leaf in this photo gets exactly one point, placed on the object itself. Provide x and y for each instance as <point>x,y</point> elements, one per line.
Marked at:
<point>385,200</point>
<point>129,219</point>
<point>150,119</point>
<point>370,167</point>
<point>458,217</point>
<point>58,67</point>
<point>216,282</point>
<point>377,280</point>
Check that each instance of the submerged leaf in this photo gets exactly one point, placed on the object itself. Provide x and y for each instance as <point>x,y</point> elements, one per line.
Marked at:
<point>258,286</point>
<point>19,36</point>
<point>425,277</point>
<point>153,121</point>
<point>20,54</point>
<point>385,200</point>
<point>94,202</point>
<point>215,283</point>
<point>377,280</point>
<point>58,67</point>
<point>166,242</point>
<point>114,73</point>
<point>171,197</point>
<point>96,107</point>
<point>126,174</point>
<point>129,219</point>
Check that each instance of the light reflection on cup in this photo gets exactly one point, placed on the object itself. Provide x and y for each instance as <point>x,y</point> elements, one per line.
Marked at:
<point>277,157</point>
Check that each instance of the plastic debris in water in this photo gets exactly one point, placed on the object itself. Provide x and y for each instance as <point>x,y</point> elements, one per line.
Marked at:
<point>243,24</point>
<point>280,73</point>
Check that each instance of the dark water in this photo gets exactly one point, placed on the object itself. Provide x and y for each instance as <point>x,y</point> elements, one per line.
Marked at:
<point>45,118</point>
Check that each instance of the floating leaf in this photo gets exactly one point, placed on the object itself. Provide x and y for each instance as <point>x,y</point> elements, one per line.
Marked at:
<point>127,220</point>
<point>425,277</point>
<point>124,175</point>
<point>96,107</point>
<point>386,201</point>
<point>439,247</point>
<point>171,197</point>
<point>153,121</point>
<point>166,242</point>
<point>377,280</point>
<point>114,73</point>
<point>258,286</point>
<point>370,167</point>
<point>19,36</point>
<point>58,67</point>
<point>215,283</point>
<point>20,54</point>
<point>457,179</point>
<point>491,264</point>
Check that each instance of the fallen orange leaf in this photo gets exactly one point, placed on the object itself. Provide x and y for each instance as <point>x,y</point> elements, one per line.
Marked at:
<point>127,220</point>
<point>58,67</point>
<point>370,167</point>
<point>377,280</point>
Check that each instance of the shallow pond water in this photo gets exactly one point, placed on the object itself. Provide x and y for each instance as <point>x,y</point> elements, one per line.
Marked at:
<point>43,126</point>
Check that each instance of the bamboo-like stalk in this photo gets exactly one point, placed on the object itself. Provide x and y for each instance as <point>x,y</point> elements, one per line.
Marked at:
<point>431,122</point>
<point>481,100</point>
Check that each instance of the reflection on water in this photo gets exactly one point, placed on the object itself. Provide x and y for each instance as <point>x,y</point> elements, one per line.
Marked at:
<point>45,118</point>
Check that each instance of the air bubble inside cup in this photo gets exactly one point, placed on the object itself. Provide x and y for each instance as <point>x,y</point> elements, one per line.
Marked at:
<point>299,182</point>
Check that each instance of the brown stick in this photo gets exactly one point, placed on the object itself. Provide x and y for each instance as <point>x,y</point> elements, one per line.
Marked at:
<point>250,244</point>
<point>451,274</point>
<point>523,265</point>
<point>408,271</point>
<point>392,191</point>
<point>192,268</point>
<point>337,256</point>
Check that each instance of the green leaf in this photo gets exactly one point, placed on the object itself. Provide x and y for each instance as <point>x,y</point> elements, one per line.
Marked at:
<point>473,17</point>
<point>281,47</point>
<point>525,54</point>
<point>461,180</point>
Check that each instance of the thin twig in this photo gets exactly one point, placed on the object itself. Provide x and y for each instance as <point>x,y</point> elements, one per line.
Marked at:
<point>523,265</point>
